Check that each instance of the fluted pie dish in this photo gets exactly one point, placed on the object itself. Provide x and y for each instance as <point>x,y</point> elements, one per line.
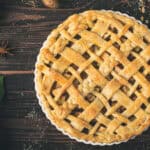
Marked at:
<point>92,77</point>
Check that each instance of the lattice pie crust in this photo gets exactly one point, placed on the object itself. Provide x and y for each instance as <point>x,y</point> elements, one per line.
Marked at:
<point>93,77</point>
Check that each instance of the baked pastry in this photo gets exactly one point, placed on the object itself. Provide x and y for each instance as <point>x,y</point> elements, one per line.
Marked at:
<point>93,77</point>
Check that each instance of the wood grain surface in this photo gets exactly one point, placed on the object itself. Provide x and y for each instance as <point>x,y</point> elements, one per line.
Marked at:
<point>26,25</point>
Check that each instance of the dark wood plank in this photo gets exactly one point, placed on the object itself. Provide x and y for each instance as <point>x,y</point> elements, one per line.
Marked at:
<point>23,126</point>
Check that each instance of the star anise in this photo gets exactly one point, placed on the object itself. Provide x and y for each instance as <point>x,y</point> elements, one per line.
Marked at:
<point>4,49</point>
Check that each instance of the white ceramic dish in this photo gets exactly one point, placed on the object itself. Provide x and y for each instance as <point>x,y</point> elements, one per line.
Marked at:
<point>60,129</point>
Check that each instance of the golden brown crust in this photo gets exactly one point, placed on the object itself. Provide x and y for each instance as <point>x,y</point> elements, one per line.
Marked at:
<point>93,77</point>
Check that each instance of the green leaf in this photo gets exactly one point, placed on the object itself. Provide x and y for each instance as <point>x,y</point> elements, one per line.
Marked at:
<point>2,91</point>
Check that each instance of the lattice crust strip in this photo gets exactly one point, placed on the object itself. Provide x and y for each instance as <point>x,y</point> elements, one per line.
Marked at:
<point>93,76</point>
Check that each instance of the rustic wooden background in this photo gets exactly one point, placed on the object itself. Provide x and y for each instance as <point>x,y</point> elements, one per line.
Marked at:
<point>26,24</point>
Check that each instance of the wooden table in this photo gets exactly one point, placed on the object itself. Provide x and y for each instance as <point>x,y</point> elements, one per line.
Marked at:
<point>26,25</point>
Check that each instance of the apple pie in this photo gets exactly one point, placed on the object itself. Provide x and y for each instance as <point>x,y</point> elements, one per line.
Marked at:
<point>92,77</point>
